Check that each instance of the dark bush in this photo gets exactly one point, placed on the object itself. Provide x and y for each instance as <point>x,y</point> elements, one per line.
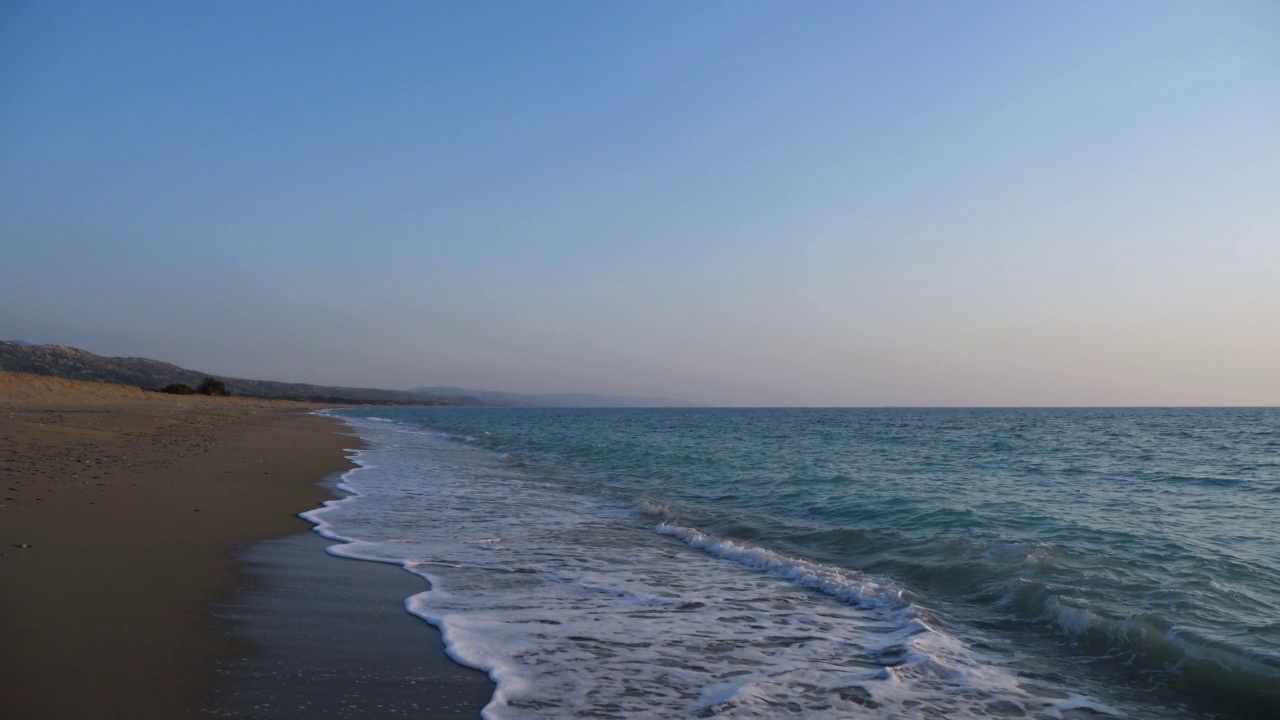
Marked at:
<point>178,389</point>
<point>212,386</point>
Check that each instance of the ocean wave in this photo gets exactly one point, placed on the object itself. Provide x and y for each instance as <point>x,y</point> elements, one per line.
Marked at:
<point>845,585</point>
<point>1232,677</point>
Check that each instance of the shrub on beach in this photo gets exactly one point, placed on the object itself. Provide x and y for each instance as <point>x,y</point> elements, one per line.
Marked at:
<point>212,386</point>
<point>178,389</point>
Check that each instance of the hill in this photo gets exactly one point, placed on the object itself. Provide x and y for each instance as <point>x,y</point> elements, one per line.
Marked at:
<point>68,362</point>
<point>560,400</point>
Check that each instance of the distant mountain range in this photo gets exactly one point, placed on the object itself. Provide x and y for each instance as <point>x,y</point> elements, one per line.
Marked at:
<point>68,362</point>
<point>560,400</point>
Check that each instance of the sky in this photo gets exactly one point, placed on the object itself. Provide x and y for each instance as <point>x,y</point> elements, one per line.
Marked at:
<point>731,203</point>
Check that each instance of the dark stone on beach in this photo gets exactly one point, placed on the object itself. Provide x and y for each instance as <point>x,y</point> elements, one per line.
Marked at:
<point>858,695</point>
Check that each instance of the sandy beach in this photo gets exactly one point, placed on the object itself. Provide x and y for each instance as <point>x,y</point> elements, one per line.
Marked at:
<point>119,513</point>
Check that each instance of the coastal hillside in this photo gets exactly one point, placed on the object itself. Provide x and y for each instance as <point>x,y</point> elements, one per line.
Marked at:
<point>76,364</point>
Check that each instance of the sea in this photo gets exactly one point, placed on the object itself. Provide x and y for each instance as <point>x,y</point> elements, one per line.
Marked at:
<point>835,563</point>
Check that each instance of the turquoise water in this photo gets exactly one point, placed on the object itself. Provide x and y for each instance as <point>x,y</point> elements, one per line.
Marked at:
<point>1071,562</point>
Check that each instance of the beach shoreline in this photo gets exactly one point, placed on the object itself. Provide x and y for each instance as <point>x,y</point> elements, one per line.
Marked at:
<point>332,639</point>
<point>120,512</point>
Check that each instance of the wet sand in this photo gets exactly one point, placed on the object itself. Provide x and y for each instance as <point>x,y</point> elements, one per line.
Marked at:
<point>333,640</point>
<point>120,511</point>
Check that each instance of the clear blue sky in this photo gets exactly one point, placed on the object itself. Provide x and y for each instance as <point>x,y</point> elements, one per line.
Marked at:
<point>790,203</point>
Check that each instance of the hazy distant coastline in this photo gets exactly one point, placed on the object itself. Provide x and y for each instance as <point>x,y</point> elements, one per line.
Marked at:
<point>76,364</point>
<point>557,400</point>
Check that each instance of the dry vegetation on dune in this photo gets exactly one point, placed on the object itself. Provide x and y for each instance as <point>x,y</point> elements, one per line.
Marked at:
<point>24,389</point>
